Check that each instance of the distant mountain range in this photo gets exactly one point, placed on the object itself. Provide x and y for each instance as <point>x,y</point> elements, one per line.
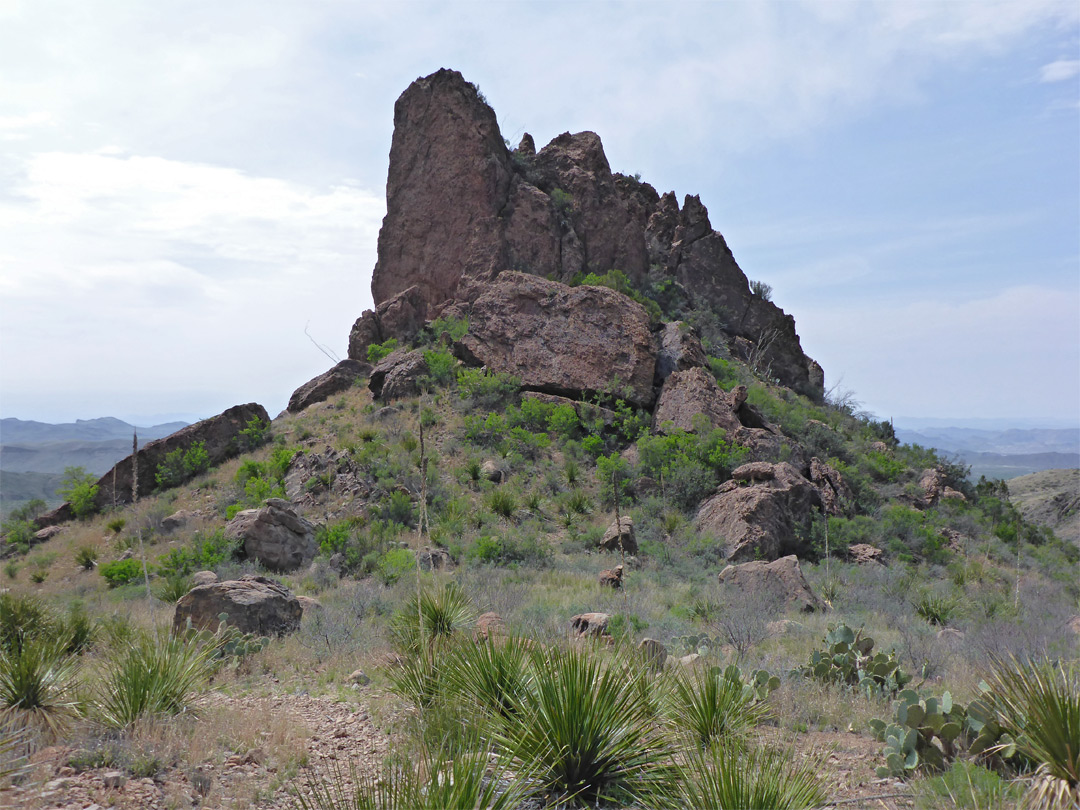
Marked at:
<point>1001,453</point>
<point>33,455</point>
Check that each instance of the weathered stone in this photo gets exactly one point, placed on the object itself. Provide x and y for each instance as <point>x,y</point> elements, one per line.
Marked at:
<point>365,332</point>
<point>434,559</point>
<point>114,779</point>
<point>492,471</point>
<point>654,652</point>
<point>274,535</point>
<point>221,438</point>
<point>254,604</point>
<point>953,494</point>
<point>573,341</point>
<point>835,493</point>
<point>685,395</point>
<point>612,577</point>
<point>309,604</point>
<point>610,540</point>
<point>690,660</point>
<point>359,678</point>
<point>397,375</point>
<point>760,521</point>
<point>932,483</point>
<point>176,520</point>
<point>490,626</point>
<point>340,378</point>
<point>680,350</point>
<point>203,578</point>
<point>864,554</point>
<point>781,579</point>
<point>48,533</point>
<point>592,625</point>
<point>950,637</point>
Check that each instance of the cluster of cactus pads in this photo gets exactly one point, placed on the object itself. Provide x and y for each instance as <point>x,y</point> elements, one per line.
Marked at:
<point>758,683</point>
<point>237,645</point>
<point>929,732</point>
<point>849,658</point>
<point>696,643</point>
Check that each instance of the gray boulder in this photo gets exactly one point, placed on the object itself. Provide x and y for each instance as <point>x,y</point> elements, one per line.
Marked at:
<point>274,535</point>
<point>253,604</point>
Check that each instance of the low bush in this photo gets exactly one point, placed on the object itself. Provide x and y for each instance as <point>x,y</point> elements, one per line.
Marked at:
<point>121,572</point>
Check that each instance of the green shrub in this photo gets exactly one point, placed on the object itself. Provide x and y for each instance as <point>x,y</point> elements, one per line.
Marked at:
<point>121,572</point>
<point>80,489</point>
<point>394,564</point>
<point>617,280</point>
<point>485,389</point>
<point>182,465</point>
<point>691,465</point>
<point>20,534</point>
<point>254,435</point>
<point>379,351</point>
<point>456,328</point>
<point>207,550</point>
<point>441,365</point>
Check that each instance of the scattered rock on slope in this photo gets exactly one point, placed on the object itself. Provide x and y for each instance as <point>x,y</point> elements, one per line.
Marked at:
<point>340,378</point>
<point>758,511</point>
<point>254,604</point>
<point>779,581</point>
<point>274,535</point>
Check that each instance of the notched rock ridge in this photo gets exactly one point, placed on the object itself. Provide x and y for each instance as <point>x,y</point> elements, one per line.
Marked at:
<point>463,211</point>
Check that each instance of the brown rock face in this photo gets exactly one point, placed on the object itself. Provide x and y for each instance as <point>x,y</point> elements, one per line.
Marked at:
<point>835,494</point>
<point>398,375</point>
<point>448,183</point>
<point>490,626</point>
<point>610,540</point>
<point>781,579</point>
<point>589,624</point>
<point>612,577</point>
<point>760,520</point>
<point>274,535</point>
<point>254,605</point>
<point>680,349</point>
<point>562,340</point>
<point>219,434</point>
<point>340,378</point>
<point>461,208</point>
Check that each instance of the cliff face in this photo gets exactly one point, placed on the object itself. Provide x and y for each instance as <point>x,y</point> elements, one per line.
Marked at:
<point>462,208</point>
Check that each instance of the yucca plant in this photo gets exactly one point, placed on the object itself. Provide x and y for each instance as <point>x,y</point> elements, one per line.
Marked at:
<point>154,674</point>
<point>86,557</point>
<point>37,684</point>
<point>437,615</point>
<point>1038,705</point>
<point>14,739</point>
<point>710,707</point>
<point>419,677</point>
<point>584,734</point>
<point>723,778</point>
<point>503,503</point>
<point>494,674</point>
<point>170,589</point>
<point>23,618</point>
<point>461,782</point>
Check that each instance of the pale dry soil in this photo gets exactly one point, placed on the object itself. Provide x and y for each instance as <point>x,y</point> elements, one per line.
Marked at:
<point>329,738</point>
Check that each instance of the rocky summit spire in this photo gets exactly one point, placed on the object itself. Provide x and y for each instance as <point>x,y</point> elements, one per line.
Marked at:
<point>462,209</point>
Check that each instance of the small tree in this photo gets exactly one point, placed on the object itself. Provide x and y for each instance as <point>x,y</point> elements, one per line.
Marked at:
<point>79,488</point>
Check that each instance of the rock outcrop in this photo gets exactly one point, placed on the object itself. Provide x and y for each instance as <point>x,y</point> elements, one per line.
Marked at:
<point>398,375</point>
<point>274,535</point>
<point>611,577</point>
<point>254,604</point>
<point>611,540</point>
<point>462,209</point>
<point>589,625</point>
<point>221,438</point>
<point>759,512</point>
<point>778,582</point>
<point>835,493</point>
<point>572,341</point>
<point>340,378</point>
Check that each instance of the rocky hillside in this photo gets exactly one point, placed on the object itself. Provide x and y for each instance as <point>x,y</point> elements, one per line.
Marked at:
<point>570,427</point>
<point>1050,498</point>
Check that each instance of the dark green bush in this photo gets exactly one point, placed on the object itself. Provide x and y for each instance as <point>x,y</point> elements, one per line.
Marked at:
<point>182,465</point>
<point>379,351</point>
<point>121,572</point>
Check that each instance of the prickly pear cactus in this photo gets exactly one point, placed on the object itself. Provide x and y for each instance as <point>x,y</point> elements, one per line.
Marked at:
<point>847,659</point>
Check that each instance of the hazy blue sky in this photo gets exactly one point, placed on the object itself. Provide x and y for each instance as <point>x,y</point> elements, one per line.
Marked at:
<point>185,185</point>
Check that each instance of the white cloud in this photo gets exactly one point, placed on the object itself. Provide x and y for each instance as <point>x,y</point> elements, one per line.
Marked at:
<point>1059,71</point>
<point>178,270</point>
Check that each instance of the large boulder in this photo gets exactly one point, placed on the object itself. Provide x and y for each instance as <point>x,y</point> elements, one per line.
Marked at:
<point>690,395</point>
<point>778,582</point>
<point>340,378</point>
<point>221,437</point>
<point>253,604</point>
<point>679,350</point>
<point>397,375</point>
<point>611,577</point>
<point>760,513</point>
<point>611,540</point>
<point>589,625</point>
<point>570,341</point>
<point>274,535</point>
<point>835,493</point>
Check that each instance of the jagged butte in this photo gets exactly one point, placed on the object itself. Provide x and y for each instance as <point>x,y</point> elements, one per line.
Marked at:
<point>463,208</point>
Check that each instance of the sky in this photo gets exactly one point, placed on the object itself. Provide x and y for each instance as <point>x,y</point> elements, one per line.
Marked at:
<point>191,192</point>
